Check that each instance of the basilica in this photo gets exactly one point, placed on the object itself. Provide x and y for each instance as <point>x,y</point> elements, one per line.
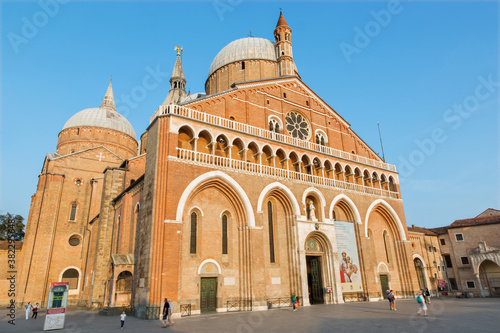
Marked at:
<point>231,199</point>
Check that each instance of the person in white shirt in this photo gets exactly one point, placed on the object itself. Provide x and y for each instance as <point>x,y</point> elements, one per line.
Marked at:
<point>122,319</point>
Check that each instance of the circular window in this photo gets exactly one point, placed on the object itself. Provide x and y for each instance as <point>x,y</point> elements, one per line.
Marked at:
<point>74,240</point>
<point>297,125</point>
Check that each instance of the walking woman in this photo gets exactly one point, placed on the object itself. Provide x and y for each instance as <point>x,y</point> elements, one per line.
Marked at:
<point>28,310</point>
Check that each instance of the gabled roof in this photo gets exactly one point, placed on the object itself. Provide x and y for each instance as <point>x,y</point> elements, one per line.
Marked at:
<point>489,212</point>
<point>424,231</point>
<point>51,156</point>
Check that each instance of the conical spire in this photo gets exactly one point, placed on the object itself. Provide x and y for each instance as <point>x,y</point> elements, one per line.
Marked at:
<point>108,102</point>
<point>178,72</point>
<point>281,20</point>
<point>177,81</point>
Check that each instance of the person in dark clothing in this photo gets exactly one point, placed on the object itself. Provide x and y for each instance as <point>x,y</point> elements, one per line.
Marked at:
<point>166,306</point>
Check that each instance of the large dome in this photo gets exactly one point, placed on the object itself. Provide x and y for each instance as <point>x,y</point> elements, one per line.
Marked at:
<point>101,117</point>
<point>242,49</point>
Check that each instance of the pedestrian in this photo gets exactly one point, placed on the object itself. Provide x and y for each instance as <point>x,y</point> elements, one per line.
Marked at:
<point>387,292</point>
<point>421,304</point>
<point>392,300</point>
<point>122,319</point>
<point>294,300</point>
<point>165,313</point>
<point>35,311</point>
<point>28,308</point>
<point>428,296</point>
<point>170,309</point>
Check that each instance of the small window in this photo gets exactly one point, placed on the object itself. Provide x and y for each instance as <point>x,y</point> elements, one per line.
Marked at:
<point>242,65</point>
<point>442,242</point>
<point>307,103</point>
<point>459,237</point>
<point>471,285</point>
<point>447,260</point>
<point>430,248</point>
<point>434,249</point>
<point>72,214</point>
<point>465,260</point>
<point>267,102</point>
<point>284,95</point>
<point>439,268</point>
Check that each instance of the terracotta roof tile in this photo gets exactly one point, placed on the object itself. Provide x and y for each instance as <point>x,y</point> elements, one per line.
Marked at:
<point>475,221</point>
<point>425,231</point>
<point>281,21</point>
<point>4,245</point>
<point>440,230</point>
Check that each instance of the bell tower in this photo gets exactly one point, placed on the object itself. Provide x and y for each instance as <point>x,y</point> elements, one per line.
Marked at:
<point>283,42</point>
<point>177,81</point>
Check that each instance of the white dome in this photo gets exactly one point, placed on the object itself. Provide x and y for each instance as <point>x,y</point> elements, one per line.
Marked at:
<point>241,49</point>
<point>101,117</point>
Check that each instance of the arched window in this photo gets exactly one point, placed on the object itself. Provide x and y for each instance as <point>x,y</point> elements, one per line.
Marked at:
<point>194,222</point>
<point>224,234</point>
<point>72,213</point>
<point>71,275</point>
<point>320,139</point>
<point>274,124</point>
<point>242,65</point>
<point>271,230</point>
<point>124,281</point>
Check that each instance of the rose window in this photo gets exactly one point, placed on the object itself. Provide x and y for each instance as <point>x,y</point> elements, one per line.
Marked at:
<point>297,126</point>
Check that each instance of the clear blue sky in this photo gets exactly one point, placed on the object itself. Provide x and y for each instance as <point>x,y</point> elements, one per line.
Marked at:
<point>422,72</point>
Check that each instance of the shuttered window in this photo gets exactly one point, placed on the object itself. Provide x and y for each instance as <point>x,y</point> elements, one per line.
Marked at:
<point>271,230</point>
<point>224,234</point>
<point>194,222</point>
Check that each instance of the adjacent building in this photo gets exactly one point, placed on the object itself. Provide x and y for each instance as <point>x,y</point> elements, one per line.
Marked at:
<point>471,253</point>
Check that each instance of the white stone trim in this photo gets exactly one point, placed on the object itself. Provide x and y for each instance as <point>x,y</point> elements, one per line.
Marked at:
<point>286,190</point>
<point>351,204</point>
<point>77,290</point>
<point>321,199</point>
<point>193,208</point>
<point>391,211</point>
<point>380,264</point>
<point>206,261</point>
<point>224,177</point>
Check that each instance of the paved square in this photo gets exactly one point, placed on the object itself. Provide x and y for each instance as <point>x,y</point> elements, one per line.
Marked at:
<point>445,315</point>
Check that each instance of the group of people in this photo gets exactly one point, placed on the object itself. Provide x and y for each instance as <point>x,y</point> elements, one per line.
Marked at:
<point>30,308</point>
<point>423,298</point>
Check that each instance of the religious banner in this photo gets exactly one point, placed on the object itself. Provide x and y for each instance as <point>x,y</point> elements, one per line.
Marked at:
<point>441,284</point>
<point>350,275</point>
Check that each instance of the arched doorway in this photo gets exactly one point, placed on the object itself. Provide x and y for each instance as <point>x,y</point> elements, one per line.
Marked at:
<point>489,275</point>
<point>315,269</point>
<point>419,268</point>
<point>123,291</point>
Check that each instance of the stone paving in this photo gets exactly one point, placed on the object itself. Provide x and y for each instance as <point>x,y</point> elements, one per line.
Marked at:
<point>445,315</point>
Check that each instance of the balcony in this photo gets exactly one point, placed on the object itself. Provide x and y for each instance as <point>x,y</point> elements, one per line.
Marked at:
<point>181,111</point>
<point>224,163</point>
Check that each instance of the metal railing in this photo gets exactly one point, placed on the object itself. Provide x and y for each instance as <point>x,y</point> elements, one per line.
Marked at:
<point>245,128</point>
<point>259,169</point>
<point>239,305</point>
<point>185,310</point>
<point>152,312</point>
<point>282,302</point>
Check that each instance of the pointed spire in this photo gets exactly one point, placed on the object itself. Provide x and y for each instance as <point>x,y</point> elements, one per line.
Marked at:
<point>281,20</point>
<point>108,102</point>
<point>178,72</point>
<point>177,81</point>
